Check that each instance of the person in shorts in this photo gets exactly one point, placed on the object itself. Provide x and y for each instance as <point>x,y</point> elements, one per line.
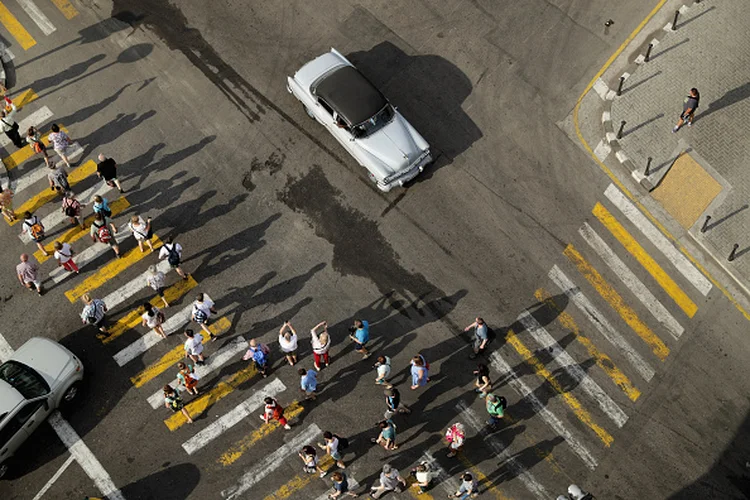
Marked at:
<point>61,142</point>
<point>173,401</point>
<point>288,342</point>
<point>194,347</point>
<point>28,274</point>
<point>173,253</point>
<point>94,313</point>
<point>689,106</point>
<point>331,446</point>
<point>107,169</point>
<point>157,281</point>
<point>203,307</point>
<point>360,334</point>
<point>33,225</point>
<point>100,232</point>
<point>58,178</point>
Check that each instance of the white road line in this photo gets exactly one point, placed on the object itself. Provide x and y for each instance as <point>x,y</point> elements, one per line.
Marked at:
<point>36,119</point>
<point>233,417</point>
<point>564,360</point>
<point>6,351</point>
<point>29,179</point>
<point>447,482</point>
<point>686,268</point>
<point>271,462</point>
<point>215,361</point>
<point>499,364</point>
<point>501,452</point>
<point>353,485</point>
<point>37,16</point>
<point>54,478</point>
<point>150,339</point>
<point>84,457</point>
<point>604,327</point>
<point>631,281</point>
<point>127,290</point>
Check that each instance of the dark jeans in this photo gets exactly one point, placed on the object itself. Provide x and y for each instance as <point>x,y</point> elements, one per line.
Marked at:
<point>15,137</point>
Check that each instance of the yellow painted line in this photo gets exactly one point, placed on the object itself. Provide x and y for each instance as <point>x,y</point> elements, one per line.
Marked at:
<point>110,270</point>
<point>637,251</point>
<point>15,28</point>
<point>617,303</point>
<point>66,8</point>
<point>33,204</point>
<point>207,399</point>
<point>21,155</point>
<point>23,99</point>
<point>569,399</point>
<point>602,360</point>
<point>484,481</point>
<point>174,356</point>
<point>235,452</point>
<point>133,318</point>
<point>298,483</point>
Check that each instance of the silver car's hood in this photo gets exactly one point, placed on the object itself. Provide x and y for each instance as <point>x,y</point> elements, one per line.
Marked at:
<point>48,358</point>
<point>394,147</point>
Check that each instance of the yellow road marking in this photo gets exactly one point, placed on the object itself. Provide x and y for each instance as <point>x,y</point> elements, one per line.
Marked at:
<point>637,251</point>
<point>235,452</point>
<point>174,356</point>
<point>66,8</point>
<point>297,483</point>
<point>602,360</point>
<point>33,204</point>
<point>569,399</point>
<point>15,28</point>
<point>23,154</point>
<point>479,476</point>
<point>207,399</point>
<point>133,318</point>
<point>23,99</point>
<point>110,270</point>
<point>617,303</point>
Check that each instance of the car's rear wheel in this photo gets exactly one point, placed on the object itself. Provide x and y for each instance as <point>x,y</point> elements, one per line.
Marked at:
<point>3,469</point>
<point>309,113</point>
<point>71,393</point>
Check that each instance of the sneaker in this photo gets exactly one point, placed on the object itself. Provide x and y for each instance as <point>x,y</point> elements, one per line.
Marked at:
<point>287,427</point>
<point>675,129</point>
<point>323,474</point>
<point>690,124</point>
<point>263,418</point>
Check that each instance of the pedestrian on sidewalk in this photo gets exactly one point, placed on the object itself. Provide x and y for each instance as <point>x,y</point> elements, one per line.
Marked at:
<point>194,347</point>
<point>6,204</point>
<point>288,342</point>
<point>393,403</point>
<point>107,169</point>
<point>455,436</point>
<point>383,371</point>
<point>187,378</point>
<point>94,313</point>
<point>390,480</point>
<point>273,411</point>
<point>690,104</point>
<point>203,308</point>
<point>100,232</point>
<point>72,208</point>
<point>173,252</point>
<point>9,125</point>
<point>34,138</point>
<point>481,336</point>
<point>258,353</point>
<point>64,256</point>
<point>308,382</point>
<point>496,406</point>
<point>332,444</point>
<point>360,334</point>
<point>60,143</point>
<point>157,281</point>
<point>101,204</point>
<point>482,383</point>
<point>58,178</point>
<point>28,274</point>
<point>173,401</point>
<point>310,460</point>
<point>141,231</point>
<point>419,372</point>
<point>320,345</point>
<point>340,486</point>
<point>387,436</point>
<point>34,227</point>
<point>469,488</point>
<point>154,319</point>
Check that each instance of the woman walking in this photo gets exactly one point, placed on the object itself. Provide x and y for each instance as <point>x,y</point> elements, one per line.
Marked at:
<point>274,411</point>
<point>340,486</point>
<point>60,143</point>
<point>156,280</point>
<point>101,205</point>
<point>154,319</point>
<point>455,436</point>
<point>332,446</point>
<point>320,344</point>
<point>258,353</point>
<point>187,378</point>
<point>173,401</point>
<point>387,436</point>
<point>72,208</point>
<point>482,383</point>
<point>288,342</point>
<point>310,460</point>
<point>141,231</point>
<point>419,372</point>
<point>33,137</point>
<point>64,256</point>
<point>194,347</point>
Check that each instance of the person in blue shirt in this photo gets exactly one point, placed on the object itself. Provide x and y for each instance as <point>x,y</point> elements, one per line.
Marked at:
<point>360,334</point>
<point>481,336</point>
<point>258,353</point>
<point>308,382</point>
<point>468,488</point>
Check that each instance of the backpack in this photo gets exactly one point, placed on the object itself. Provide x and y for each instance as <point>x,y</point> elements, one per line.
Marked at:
<point>103,233</point>
<point>36,229</point>
<point>173,258</point>
<point>71,208</point>
<point>265,349</point>
<point>199,316</point>
<point>343,442</point>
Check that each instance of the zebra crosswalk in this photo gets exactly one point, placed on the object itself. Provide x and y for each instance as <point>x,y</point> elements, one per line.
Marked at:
<point>15,17</point>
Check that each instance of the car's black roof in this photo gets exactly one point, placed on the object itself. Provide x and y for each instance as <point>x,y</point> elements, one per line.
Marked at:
<point>350,94</point>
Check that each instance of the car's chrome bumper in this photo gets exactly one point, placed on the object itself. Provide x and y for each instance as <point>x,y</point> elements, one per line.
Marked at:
<point>410,174</point>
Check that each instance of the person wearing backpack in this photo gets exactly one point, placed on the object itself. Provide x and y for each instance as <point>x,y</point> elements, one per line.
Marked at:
<point>496,408</point>
<point>141,231</point>
<point>58,178</point>
<point>333,445</point>
<point>258,353</point>
<point>101,204</point>
<point>154,319</point>
<point>94,313</point>
<point>187,378</point>
<point>100,232</point>
<point>64,256</point>
<point>173,253</point>
<point>203,307</point>
<point>33,226</point>
<point>72,208</point>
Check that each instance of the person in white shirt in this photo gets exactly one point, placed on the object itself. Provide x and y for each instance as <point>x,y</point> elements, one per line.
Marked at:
<point>203,307</point>
<point>153,318</point>
<point>383,371</point>
<point>156,280</point>
<point>173,253</point>
<point>141,231</point>
<point>94,313</point>
<point>9,126</point>
<point>288,342</point>
<point>424,474</point>
<point>64,256</point>
<point>194,347</point>
<point>320,344</point>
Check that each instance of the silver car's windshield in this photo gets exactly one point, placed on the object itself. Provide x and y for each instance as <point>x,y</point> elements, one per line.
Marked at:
<point>375,123</point>
<point>24,379</point>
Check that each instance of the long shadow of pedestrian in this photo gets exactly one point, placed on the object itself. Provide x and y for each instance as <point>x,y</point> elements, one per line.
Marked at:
<point>730,97</point>
<point>89,111</point>
<point>69,73</point>
<point>191,211</point>
<point>112,130</point>
<point>144,165</point>
<point>527,459</point>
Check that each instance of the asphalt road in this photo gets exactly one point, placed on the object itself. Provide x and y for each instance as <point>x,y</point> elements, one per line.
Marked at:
<point>278,223</point>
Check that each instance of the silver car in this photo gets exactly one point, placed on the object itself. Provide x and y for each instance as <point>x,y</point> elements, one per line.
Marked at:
<point>338,96</point>
<point>38,378</point>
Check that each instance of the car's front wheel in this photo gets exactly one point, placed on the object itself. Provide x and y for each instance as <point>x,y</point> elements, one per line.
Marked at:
<point>3,469</point>
<point>71,393</point>
<point>309,113</point>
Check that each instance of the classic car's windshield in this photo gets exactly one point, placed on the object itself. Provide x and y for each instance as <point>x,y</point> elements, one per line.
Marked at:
<point>25,380</point>
<point>375,123</point>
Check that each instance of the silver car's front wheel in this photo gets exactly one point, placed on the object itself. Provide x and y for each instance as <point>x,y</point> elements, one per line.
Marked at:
<point>71,393</point>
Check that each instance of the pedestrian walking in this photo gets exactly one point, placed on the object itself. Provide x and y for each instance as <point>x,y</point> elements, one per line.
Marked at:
<point>496,406</point>
<point>9,125</point>
<point>387,436</point>
<point>310,460</point>
<point>340,486</point>
<point>308,382</point>
<point>107,169</point>
<point>383,371</point>
<point>173,401</point>
<point>482,383</point>
<point>101,205</point>
<point>194,347</point>
<point>64,256</point>
<point>481,336</point>
<point>393,403</point>
<point>360,334</point>
<point>469,488</point>
<point>288,342</point>
<point>332,444</point>
<point>187,378</point>
<point>154,319</point>
<point>61,142</point>
<point>173,252</point>
<point>34,139</point>
<point>390,480</point>
<point>320,345</point>
<point>273,411</point>
<point>690,104</point>
<point>141,231</point>
<point>71,207</point>
<point>203,307</point>
<point>94,313</point>
<point>258,353</point>
<point>58,178</point>
<point>100,232</point>
<point>157,281</point>
<point>423,475</point>
<point>6,204</point>
<point>419,372</point>
<point>35,229</point>
<point>455,436</point>
<point>28,274</point>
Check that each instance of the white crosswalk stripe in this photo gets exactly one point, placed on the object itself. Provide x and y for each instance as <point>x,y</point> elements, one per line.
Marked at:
<point>37,16</point>
<point>601,323</point>
<point>36,119</point>
<point>129,289</point>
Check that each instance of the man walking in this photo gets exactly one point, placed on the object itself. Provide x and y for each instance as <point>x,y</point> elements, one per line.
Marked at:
<point>33,225</point>
<point>383,371</point>
<point>173,253</point>
<point>28,274</point>
<point>203,307</point>
<point>469,488</point>
<point>390,479</point>
<point>58,178</point>
<point>481,336</point>
<point>360,334</point>
<point>94,313</point>
<point>690,104</point>
<point>393,403</point>
<point>194,347</point>
<point>333,445</point>
<point>100,232</point>
<point>496,409</point>
<point>9,125</point>
<point>308,382</point>
<point>107,169</point>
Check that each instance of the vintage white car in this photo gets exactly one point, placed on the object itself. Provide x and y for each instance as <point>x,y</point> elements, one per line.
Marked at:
<point>357,114</point>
